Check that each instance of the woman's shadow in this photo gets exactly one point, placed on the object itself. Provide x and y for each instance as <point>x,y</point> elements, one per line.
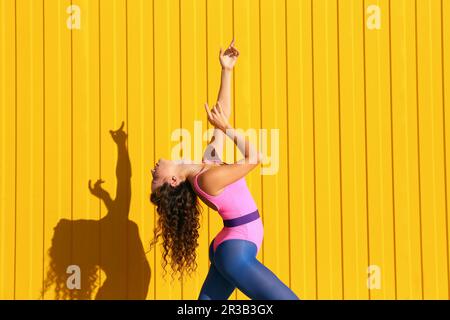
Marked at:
<point>81,248</point>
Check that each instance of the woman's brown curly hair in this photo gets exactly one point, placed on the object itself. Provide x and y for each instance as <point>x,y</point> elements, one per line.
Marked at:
<point>178,223</point>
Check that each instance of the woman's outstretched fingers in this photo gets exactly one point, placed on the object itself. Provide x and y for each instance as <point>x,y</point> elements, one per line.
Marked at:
<point>208,112</point>
<point>229,51</point>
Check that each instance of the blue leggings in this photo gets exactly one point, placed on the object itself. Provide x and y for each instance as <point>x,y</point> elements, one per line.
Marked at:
<point>234,265</point>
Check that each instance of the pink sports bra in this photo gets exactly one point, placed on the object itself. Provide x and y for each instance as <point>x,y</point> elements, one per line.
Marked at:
<point>234,201</point>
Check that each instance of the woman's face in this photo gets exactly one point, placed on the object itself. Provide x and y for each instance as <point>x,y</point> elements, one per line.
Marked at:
<point>163,172</point>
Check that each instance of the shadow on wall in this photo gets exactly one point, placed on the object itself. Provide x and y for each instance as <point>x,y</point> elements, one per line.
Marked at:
<point>111,244</point>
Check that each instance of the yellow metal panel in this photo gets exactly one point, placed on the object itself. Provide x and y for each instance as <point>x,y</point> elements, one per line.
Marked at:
<point>8,145</point>
<point>275,199</point>
<point>327,157</point>
<point>114,225</point>
<point>352,150</point>
<point>140,139</point>
<point>379,156</point>
<point>301,148</point>
<point>86,135</point>
<point>30,140</point>
<point>445,21</point>
<point>431,161</point>
<point>58,130</point>
<point>405,157</point>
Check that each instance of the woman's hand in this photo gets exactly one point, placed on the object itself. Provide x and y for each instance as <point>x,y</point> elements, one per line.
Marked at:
<point>228,57</point>
<point>217,117</point>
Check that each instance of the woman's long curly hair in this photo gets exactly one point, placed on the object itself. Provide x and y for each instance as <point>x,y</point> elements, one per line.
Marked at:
<point>178,223</point>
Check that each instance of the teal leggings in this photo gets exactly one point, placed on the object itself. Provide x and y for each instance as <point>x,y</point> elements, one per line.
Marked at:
<point>234,265</point>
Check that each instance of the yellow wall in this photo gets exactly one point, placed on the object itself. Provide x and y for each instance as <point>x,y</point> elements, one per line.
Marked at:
<point>363,123</point>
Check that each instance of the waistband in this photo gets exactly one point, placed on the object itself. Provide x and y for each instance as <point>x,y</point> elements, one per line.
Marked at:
<point>241,220</point>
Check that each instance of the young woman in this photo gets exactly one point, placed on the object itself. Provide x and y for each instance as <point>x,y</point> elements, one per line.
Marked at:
<point>175,188</point>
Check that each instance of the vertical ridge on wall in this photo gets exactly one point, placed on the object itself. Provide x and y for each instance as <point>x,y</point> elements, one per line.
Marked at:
<point>43,138</point>
<point>392,149</point>
<point>313,103</point>
<point>338,62</point>
<point>207,212</point>
<point>180,85</point>
<point>100,274</point>
<point>445,24</point>
<point>131,227</point>
<point>29,150</point>
<point>363,25</point>
<point>287,146</point>
<point>154,128</point>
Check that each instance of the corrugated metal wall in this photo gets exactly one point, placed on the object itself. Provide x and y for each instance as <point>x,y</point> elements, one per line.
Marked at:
<point>363,123</point>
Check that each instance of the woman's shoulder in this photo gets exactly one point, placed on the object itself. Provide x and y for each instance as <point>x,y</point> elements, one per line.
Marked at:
<point>199,180</point>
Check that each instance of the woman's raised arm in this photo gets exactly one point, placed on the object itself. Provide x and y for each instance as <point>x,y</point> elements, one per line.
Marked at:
<point>227,60</point>
<point>216,178</point>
